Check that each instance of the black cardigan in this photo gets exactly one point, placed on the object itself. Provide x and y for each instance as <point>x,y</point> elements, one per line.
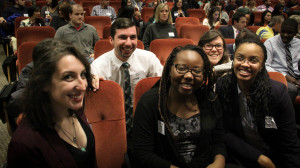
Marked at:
<point>155,150</point>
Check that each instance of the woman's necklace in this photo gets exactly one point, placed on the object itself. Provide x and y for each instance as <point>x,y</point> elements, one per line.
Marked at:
<point>74,139</point>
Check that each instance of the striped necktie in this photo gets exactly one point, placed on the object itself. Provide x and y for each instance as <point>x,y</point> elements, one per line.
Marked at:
<point>127,94</point>
<point>289,62</point>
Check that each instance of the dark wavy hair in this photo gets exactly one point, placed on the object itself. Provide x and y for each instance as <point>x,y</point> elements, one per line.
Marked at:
<point>263,17</point>
<point>54,3</point>
<point>203,94</point>
<point>260,91</point>
<point>210,16</point>
<point>175,8</point>
<point>46,54</point>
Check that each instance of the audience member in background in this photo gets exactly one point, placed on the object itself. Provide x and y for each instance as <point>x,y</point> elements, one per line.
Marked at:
<point>192,4</point>
<point>213,44</point>
<point>138,4</point>
<point>283,55</point>
<point>81,35</point>
<point>126,3</point>
<point>251,5</point>
<point>249,19</point>
<point>63,18</point>
<point>208,5</point>
<point>233,5</point>
<point>126,64</point>
<point>34,19</point>
<point>128,12</point>
<point>213,19</point>
<point>244,34</point>
<point>7,22</point>
<point>104,10</point>
<point>179,10</point>
<point>265,6</point>
<point>154,3</point>
<point>50,10</point>
<point>278,11</point>
<point>162,28</point>
<point>224,14</point>
<point>54,131</point>
<point>238,24</point>
<point>265,18</point>
<point>272,29</point>
<point>259,120</point>
<point>178,123</point>
<point>297,18</point>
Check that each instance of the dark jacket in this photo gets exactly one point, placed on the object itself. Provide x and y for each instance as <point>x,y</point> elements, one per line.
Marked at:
<point>283,141</point>
<point>227,31</point>
<point>155,150</point>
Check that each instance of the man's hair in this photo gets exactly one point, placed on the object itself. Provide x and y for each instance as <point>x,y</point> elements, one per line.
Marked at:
<point>32,9</point>
<point>276,19</point>
<point>120,23</point>
<point>291,23</point>
<point>72,6</point>
<point>237,15</point>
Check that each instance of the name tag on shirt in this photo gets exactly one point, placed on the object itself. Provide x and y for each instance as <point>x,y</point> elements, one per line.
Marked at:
<point>161,127</point>
<point>171,34</point>
<point>270,122</point>
<point>108,14</point>
<point>25,15</point>
<point>175,14</point>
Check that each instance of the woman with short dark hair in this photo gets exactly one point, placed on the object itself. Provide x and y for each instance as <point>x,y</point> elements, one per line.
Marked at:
<point>34,18</point>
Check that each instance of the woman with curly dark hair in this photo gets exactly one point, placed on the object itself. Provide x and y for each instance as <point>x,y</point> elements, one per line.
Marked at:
<point>177,124</point>
<point>179,10</point>
<point>259,118</point>
<point>54,131</point>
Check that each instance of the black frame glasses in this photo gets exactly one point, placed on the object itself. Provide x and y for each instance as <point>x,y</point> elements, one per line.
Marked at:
<point>210,46</point>
<point>183,69</point>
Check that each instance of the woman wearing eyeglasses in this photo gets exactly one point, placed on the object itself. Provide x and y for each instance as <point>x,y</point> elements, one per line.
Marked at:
<point>259,118</point>
<point>177,124</point>
<point>213,44</point>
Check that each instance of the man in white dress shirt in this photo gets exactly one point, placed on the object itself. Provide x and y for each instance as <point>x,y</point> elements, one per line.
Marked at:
<point>142,63</point>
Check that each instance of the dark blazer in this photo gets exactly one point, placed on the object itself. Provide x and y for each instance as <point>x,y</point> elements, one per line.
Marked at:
<point>30,148</point>
<point>227,31</point>
<point>283,141</point>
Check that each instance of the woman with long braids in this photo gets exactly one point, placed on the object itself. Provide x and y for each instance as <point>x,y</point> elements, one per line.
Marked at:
<point>177,124</point>
<point>259,118</point>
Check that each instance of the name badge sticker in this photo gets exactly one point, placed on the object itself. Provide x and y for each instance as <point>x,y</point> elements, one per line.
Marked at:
<point>25,15</point>
<point>171,34</point>
<point>270,122</point>
<point>108,14</point>
<point>161,127</point>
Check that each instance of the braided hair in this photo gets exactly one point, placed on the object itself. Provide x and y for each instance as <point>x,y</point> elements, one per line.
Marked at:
<point>204,92</point>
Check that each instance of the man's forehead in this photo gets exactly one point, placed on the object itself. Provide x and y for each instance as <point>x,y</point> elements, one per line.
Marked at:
<point>126,31</point>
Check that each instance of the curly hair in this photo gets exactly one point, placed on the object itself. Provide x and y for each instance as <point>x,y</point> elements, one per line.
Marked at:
<point>203,93</point>
<point>260,99</point>
<point>46,54</point>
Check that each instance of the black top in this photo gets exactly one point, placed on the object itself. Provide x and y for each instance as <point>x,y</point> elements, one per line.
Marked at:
<point>154,145</point>
<point>84,158</point>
